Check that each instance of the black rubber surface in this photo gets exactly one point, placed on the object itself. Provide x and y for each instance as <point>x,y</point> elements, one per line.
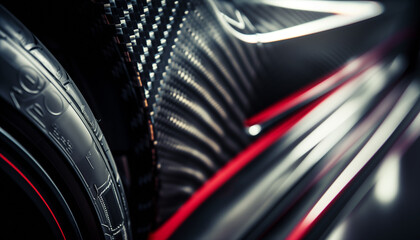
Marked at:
<point>36,86</point>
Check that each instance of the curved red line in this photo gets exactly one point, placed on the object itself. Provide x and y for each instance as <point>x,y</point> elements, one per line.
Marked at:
<point>237,163</point>
<point>290,101</point>
<point>228,171</point>
<point>306,224</point>
<point>327,82</point>
<point>35,189</point>
<point>265,141</point>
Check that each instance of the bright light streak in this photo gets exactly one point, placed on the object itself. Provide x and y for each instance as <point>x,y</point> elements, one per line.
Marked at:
<point>345,13</point>
<point>337,7</point>
<point>378,139</point>
<point>395,117</point>
<point>388,176</point>
<point>333,129</point>
<point>386,189</point>
<point>334,101</point>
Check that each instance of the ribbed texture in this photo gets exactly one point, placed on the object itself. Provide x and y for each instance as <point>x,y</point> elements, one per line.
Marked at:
<point>205,94</point>
<point>197,86</point>
<point>145,31</point>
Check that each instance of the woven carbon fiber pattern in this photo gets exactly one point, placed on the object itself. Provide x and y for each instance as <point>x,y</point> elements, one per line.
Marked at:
<point>196,87</point>
<point>207,91</point>
<point>144,31</point>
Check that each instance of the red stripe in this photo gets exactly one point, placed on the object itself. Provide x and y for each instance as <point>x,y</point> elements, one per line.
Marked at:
<point>35,189</point>
<point>327,82</point>
<point>307,223</point>
<point>228,171</point>
<point>291,101</point>
<point>236,164</point>
<point>265,141</point>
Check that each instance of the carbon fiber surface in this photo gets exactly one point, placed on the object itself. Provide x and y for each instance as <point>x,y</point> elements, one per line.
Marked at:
<point>198,82</point>
<point>144,30</point>
<point>206,93</point>
<point>198,85</point>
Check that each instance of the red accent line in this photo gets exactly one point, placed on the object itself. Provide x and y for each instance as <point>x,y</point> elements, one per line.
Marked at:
<point>35,189</point>
<point>237,163</point>
<point>405,141</point>
<point>228,171</point>
<point>240,161</point>
<point>293,100</point>
<point>327,82</point>
<point>260,145</point>
<point>307,222</point>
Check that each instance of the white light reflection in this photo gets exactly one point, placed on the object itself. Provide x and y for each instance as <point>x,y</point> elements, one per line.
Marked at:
<point>239,24</point>
<point>388,176</point>
<point>339,232</point>
<point>254,130</point>
<point>398,113</point>
<point>321,139</point>
<point>345,13</point>
<point>378,74</point>
<point>386,188</point>
<point>328,133</point>
<point>334,101</point>
<point>336,7</point>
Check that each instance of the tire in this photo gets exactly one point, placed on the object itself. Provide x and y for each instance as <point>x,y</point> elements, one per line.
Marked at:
<point>52,148</point>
